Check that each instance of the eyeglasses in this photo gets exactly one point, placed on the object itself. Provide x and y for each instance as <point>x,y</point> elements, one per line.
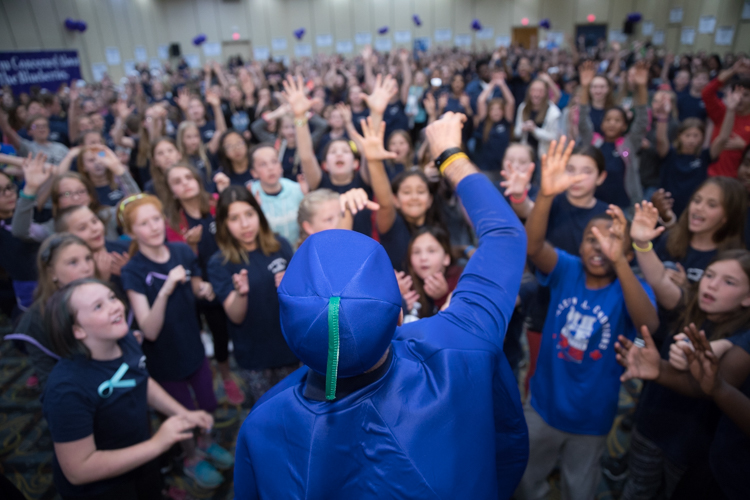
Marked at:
<point>8,190</point>
<point>124,202</point>
<point>74,194</point>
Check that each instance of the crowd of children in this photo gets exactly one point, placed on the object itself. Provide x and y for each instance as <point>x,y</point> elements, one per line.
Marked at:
<point>145,221</point>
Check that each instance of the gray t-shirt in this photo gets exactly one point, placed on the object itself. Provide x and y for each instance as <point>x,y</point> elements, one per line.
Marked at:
<point>54,150</point>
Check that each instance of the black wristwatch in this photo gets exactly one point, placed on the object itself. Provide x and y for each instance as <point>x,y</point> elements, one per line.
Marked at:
<point>445,155</point>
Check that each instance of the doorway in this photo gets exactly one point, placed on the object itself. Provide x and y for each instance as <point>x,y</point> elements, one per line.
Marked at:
<point>591,34</point>
<point>233,48</point>
<point>526,36</point>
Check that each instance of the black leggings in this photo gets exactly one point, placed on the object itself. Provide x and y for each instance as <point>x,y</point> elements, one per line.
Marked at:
<point>217,322</point>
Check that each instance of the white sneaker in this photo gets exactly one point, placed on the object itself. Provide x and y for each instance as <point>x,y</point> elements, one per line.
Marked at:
<point>208,343</point>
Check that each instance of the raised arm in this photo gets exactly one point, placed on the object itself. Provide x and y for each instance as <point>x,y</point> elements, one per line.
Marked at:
<point>637,302</point>
<point>151,317</point>
<point>403,56</point>
<point>367,62</point>
<point>661,108</point>
<point>642,231</point>
<point>118,131</point>
<point>214,100</point>
<point>555,180</point>
<point>484,299</point>
<point>510,101</point>
<point>36,173</point>
<point>73,115</point>
<point>727,124</point>
<point>294,91</point>
<point>482,104</point>
<point>375,152</point>
<point>383,91</point>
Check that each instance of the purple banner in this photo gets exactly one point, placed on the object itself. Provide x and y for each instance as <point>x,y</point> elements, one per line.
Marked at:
<point>47,69</point>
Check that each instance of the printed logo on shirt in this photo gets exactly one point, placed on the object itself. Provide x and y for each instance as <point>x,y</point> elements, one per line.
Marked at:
<point>142,363</point>
<point>212,227</point>
<point>579,328</point>
<point>115,195</point>
<point>696,163</point>
<point>393,110</point>
<point>500,129</point>
<point>694,274</point>
<point>277,265</point>
<point>208,134</point>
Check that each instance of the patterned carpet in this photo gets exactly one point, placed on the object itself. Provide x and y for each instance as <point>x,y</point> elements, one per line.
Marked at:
<point>26,447</point>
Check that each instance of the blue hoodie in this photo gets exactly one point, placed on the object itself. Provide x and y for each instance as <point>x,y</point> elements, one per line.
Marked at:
<point>439,416</point>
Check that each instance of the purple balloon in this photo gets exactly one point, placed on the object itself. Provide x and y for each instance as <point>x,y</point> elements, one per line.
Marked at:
<point>81,26</point>
<point>70,24</point>
<point>199,39</point>
<point>416,20</point>
<point>634,17</point>
<point>383,30</point>
<point>476,25</point>
<point>545,23</point>
<point>299,33</point>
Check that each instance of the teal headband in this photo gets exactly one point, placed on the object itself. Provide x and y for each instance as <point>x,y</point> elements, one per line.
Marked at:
<point>333,347</point>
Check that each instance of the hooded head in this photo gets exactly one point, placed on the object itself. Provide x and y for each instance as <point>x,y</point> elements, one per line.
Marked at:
<point>340,304</point>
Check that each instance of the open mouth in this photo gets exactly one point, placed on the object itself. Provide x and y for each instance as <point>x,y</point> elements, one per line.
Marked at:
<point>118,319</point>
<point>707,298</point>
<point>697,219</point>
<point>596,260</point>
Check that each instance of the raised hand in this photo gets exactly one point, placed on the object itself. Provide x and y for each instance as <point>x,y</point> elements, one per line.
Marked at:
<point>678,276</point>
<point>199,418</point>
<point>644,226</point>
<point>193,235</point>
<point>372,141</point>
<point>702,362</point>
<point>677,357</point>
<point>516,181</point>
<point>118,262</point>
<point>355,200</point>
<point>296,95</point>
<point>35,172</point>
<point>103,261</point>
<point>435,286</point>
<point>176,276</point>
<point>612,243</point>
<point>205,291</point>
<point>586,73</point>
<point>404,282</point>
<point>639,362</point>
<point>109,159</point>
<point>662,105</point>
<point>222,181</point>
<point>663,202</point>
<point>345,111</point>
<point>240,282</point>
<point>213,98</point>
<point>123,110</point>
<point>445,133</point>
<point>442,102</point>
<point>555,178</point>
<point>429,104</point>
<point>183,99</point>
<point>640,73</point>
<point>381,95</point>
<point>735,142</point>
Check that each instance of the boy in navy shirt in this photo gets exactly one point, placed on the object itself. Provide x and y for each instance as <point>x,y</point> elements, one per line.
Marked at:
<point>594,298</point>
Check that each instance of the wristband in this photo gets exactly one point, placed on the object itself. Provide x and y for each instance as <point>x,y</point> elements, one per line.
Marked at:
<point>300,122</point>
<point>643,250</point>
<point>26,196</point>
<point>515,200</point>
<point>444,157</point>
<point>450,160</point>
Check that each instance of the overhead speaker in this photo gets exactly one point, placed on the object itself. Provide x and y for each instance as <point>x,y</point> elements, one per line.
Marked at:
<point>174,50</point>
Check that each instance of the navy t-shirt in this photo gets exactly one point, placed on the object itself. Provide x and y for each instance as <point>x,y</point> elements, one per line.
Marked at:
<point>17,256</point>
<point>177,352</point>
<point>75,410</point>
<point>108,196</point>
<point>200,165</point>
<point>363,218</point>
<point>207,245</point>
<point>396,242</point>
<point>690,107</point>
<point>207,131</point>
<point>287,163</point>
<point>239,179</point>
<point>395,118</point>
<point>730,451</point>
<point>567,223</point>
<point>119,246</point>
<point>612,191</point>
<point>489,154</point>
<point>359,116</point>
<point>597,117</point>
<point>682,174</point>
<point>258,341</point>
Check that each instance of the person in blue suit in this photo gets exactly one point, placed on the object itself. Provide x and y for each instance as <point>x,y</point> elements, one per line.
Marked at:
<point>427,410</point>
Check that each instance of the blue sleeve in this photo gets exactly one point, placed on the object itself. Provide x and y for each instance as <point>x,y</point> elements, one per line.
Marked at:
<point>220,277</point>
<point>69,413</point>
<point>741,340</point>
<point>485,297</point>
<point>567,267</point>
<point>244,477</point>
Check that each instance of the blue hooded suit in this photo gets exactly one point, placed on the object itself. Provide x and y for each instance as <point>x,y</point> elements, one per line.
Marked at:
<point>439,416</point>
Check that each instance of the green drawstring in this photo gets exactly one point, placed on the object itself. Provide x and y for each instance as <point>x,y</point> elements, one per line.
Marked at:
<point>332,369</point>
